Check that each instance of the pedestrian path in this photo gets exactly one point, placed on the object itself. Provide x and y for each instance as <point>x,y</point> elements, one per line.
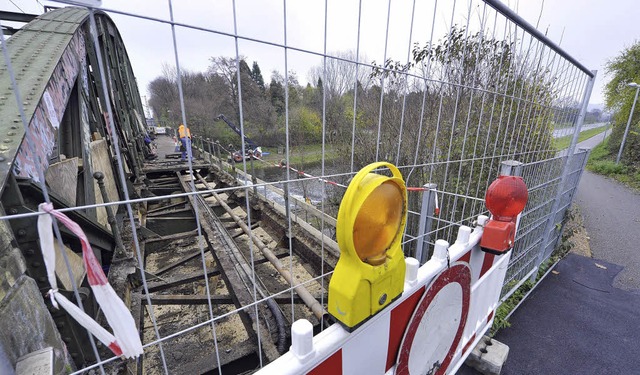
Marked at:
<point>575,322</point>
<point>611,214</point>
<point>612,218</point>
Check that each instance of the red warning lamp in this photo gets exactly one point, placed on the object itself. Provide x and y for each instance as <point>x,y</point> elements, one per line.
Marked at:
<point>505,199</point>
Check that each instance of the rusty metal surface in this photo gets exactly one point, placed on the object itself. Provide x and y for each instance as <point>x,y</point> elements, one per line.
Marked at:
<point>45,56</point>
<point>53,65</point>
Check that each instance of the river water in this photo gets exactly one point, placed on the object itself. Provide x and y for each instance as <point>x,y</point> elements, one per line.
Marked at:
<point>300,187</point>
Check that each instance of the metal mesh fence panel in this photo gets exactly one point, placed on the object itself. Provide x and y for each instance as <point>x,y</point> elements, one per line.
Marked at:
<point>221,234</point>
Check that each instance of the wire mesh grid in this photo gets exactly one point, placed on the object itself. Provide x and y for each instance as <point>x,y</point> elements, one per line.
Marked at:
<point>232,246</point>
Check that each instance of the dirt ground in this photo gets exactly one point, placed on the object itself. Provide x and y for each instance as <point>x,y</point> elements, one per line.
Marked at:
<point>579,240</point>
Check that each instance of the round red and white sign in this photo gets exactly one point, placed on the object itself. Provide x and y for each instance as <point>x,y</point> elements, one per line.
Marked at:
<point>437,324</point>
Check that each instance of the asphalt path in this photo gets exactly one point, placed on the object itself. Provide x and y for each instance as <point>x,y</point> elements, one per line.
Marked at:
<point>557,133</point>
<point>588,143</point>
<point>611,214</point>
<point>584,317</point>
<point>594,141</point>
<point>575,322</point>
<point>612,218</point>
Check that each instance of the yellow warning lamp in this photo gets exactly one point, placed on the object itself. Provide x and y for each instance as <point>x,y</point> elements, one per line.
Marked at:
<point>370,272</point>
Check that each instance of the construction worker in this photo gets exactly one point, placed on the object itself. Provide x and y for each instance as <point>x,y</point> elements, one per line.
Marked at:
<point>149,152</point>
<point>185,137</point>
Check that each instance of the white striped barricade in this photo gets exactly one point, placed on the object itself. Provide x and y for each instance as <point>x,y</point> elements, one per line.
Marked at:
<point>446,306</point>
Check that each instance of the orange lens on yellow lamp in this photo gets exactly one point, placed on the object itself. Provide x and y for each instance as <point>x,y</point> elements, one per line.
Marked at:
<point>370,272</point>
<point>377,222</point>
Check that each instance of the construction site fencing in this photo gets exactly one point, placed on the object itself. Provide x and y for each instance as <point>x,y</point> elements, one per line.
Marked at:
<point>540,226</point>
<point>445,90</point>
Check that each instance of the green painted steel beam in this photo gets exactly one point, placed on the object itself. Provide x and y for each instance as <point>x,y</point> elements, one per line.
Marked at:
<point>35,52</point>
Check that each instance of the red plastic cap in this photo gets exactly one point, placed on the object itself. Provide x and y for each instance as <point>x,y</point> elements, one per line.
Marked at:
<point>506,197</point>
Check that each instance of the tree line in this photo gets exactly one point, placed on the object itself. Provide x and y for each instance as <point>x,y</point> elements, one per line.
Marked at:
<point>619,97</point>
<point>217,91</point>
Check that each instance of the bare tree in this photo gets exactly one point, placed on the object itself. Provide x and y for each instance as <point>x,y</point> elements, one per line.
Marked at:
<point>341,73</point>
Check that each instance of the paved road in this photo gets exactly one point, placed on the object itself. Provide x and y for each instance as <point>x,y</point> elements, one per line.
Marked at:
<point>569,131</point>
<point>594,141</point>
<point>588,143</point>
<point>574,322</point>
<point>584,317</point>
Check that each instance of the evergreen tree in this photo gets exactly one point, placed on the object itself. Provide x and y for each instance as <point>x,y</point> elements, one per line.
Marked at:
<point>256,75</point>
<point>276,94</point>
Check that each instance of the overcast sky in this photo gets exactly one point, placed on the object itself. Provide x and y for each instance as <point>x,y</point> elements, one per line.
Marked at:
<point>590,30</point>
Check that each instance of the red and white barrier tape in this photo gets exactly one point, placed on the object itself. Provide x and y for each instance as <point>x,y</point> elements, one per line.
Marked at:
<point>125,340</point>
<point>304,174</point>
<point>437,205</point>
<point>282,164</point>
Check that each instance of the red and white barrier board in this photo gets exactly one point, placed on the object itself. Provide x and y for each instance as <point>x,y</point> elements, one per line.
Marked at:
<point>446,306</point>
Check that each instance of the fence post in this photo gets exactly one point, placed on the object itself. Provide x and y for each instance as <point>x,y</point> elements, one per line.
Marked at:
<point>426,222</point>
<point>583,165</point>
<point>218,154</point>
<point>565,171</point>
<point>587,152</point>
<point>254,180</point>
<point>511,168</point>
<point>208,151</point>
<point>286,194</point>
<point>581,151</point>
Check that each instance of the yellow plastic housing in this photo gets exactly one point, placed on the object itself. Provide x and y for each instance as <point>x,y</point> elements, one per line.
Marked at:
<point>370,272</point>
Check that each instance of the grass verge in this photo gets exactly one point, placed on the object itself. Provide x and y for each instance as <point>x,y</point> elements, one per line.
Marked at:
<point>299,155</point>
<point>564,142</point>
<point>603,162</point>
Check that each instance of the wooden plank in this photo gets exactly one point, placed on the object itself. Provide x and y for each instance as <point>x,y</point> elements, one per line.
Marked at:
<point>174,167</point>
<point>172,237</point>
<point>62,178</point>
<point>161,180</point>
<point>177,263</point>
<point>162,208</point>
<point>101,162</point>
<point>177,281</point>
<point>77,267</point>
<point>240,232</point>
<point>170,213</point>
<point>195,299</point>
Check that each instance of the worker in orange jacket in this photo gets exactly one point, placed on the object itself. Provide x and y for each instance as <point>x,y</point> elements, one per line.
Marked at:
<point>185,137</point>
